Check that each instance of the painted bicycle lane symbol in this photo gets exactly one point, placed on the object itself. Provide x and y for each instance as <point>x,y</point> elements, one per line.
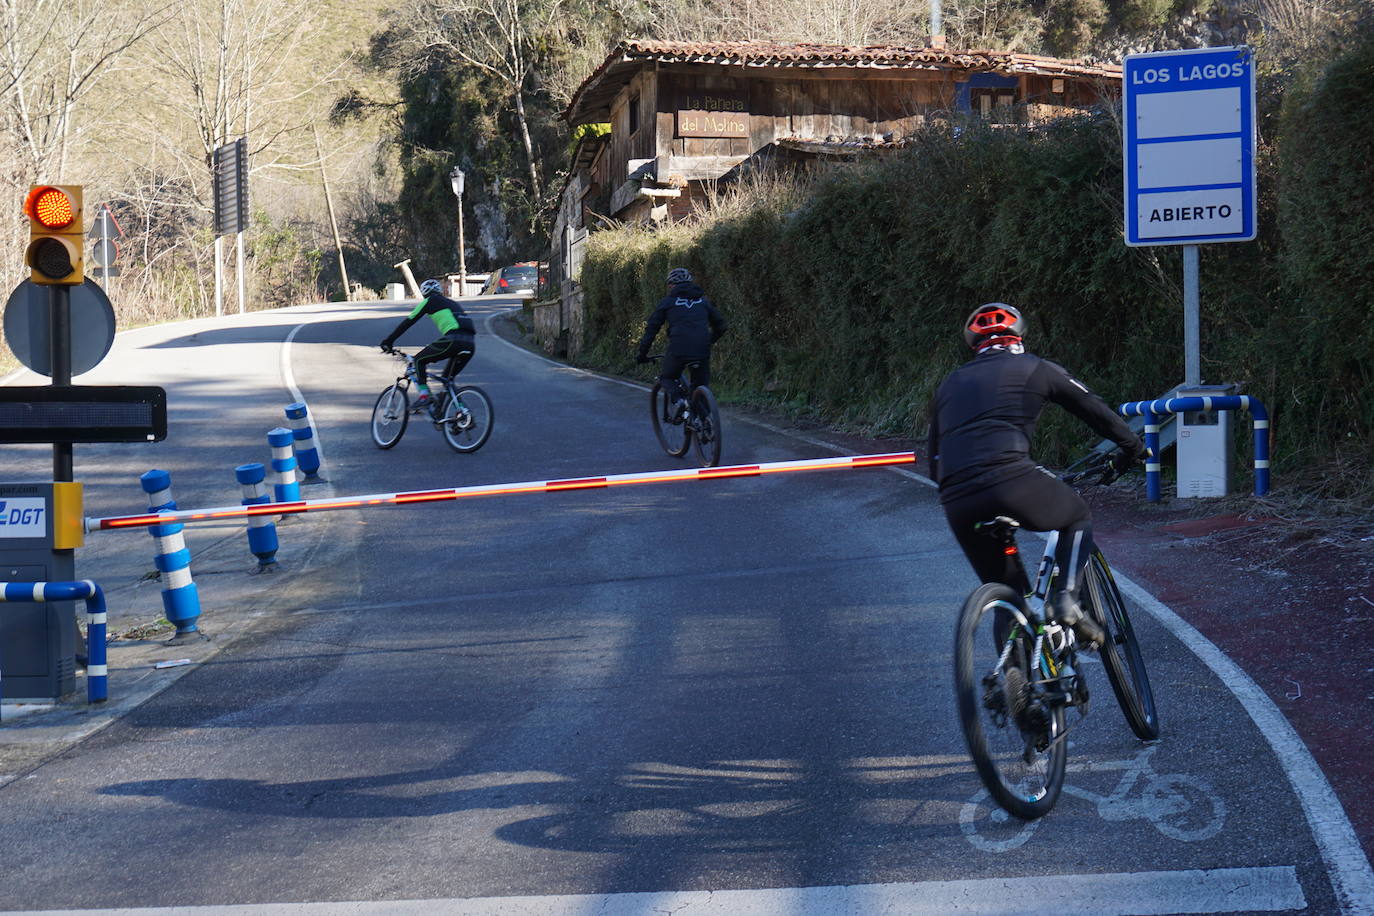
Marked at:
<point>1180,806</point>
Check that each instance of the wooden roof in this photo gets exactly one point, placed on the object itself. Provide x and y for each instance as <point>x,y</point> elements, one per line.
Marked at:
<point>592,101</point>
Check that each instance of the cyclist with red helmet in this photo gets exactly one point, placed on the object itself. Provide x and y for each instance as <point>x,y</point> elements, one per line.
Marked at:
<point>981,423</point>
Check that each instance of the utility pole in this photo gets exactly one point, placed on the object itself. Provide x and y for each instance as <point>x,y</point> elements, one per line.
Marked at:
<point>333,223</point>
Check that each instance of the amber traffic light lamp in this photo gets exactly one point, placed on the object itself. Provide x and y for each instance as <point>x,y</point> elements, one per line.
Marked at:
<point>56,235</point>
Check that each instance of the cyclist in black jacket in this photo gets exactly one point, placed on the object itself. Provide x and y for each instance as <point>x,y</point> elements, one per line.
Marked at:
<point>981,423</point>
<point>694,325</point>
<point>456,344</point>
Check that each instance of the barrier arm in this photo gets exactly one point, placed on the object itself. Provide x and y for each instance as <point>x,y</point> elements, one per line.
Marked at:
<point>295,507</point>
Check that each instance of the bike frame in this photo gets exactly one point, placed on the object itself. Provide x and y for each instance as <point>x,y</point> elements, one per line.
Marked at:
<point>1033,620</point>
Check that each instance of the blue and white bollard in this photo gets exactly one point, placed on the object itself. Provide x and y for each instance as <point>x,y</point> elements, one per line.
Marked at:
<point>97,671</point>
<point>262,531</point>
<point>285,487</point>
<point>180,599</point>
<point>307,455</point>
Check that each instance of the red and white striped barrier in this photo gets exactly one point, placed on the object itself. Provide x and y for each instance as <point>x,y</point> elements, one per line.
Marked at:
<point>191,516</point>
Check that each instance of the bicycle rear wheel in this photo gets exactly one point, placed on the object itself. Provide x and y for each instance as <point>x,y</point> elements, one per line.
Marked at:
<point>1015,739</point>
<point>390,415</point>
<point>1121,654</point>
<point>707,431</point>
<point>467,418</point>
<point>674,436</point>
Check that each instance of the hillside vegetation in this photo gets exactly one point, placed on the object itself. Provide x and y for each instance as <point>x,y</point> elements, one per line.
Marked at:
<point>845,291</point>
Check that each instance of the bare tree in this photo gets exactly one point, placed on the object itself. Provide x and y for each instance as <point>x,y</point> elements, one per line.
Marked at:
<point>53,55</point>
<point>501,38</point>
<point>1003,25</point>
<point>234,67</point>
<point>849,22</point>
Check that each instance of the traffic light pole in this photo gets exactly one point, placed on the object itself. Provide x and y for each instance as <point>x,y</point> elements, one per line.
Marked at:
<point>60,332</point>
<point>60,336</point>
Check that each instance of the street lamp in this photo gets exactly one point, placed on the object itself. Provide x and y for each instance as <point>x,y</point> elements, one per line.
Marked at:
<point>455,178</point>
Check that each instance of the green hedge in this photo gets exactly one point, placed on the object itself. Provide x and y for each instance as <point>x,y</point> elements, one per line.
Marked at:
<point>845,295</point>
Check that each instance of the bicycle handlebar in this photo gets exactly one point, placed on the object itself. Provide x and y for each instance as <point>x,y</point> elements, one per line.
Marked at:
<point>1098,465</point>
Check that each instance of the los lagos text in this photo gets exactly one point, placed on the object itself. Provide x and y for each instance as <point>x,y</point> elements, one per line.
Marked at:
<point>1184,73</point>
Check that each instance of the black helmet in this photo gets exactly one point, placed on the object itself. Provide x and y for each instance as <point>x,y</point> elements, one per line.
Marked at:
<point>996,319</point>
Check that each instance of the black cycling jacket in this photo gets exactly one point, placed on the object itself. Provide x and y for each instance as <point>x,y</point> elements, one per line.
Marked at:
<point>693,322</point>
<point>447,315</point>
<point>984,414</point>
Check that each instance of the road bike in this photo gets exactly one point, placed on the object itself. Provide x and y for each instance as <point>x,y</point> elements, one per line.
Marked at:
<point>462,413</point>
<point>699,424</point>
<point>1016,673</point>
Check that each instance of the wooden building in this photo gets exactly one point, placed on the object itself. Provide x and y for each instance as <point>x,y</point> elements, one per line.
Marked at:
<point>685,113</point>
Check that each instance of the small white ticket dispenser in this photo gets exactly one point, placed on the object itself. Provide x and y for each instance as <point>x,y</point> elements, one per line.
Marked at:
<point>1203,446</point>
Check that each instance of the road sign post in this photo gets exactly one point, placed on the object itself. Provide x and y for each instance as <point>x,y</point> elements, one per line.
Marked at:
<point>1188,143</point>
<point>105,234</point>
<point>231,211</point>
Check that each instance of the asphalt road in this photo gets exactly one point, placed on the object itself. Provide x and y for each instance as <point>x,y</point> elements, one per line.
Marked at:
<point>724,696</point>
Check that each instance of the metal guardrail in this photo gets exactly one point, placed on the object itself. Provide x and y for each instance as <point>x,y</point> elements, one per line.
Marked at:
<point>97,672</point>
<point>1152,411</point>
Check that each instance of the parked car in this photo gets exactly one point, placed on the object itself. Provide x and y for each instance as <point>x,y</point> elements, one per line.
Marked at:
<point>516,280</point>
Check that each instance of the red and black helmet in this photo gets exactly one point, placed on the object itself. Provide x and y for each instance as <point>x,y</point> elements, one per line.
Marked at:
<point>996,319</point>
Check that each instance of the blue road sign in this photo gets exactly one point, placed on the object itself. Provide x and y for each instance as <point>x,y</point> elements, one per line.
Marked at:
<point>1189,146</point>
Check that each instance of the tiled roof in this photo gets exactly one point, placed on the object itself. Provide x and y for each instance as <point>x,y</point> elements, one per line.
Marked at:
<point>593,97</point>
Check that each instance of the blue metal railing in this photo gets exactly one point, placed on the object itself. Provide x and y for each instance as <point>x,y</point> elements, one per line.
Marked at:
<point>1153,410</point>
<point>97,673</point>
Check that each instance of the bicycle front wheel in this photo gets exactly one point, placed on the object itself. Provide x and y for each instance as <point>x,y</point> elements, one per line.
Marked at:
<point>672,433</point>
<point>1121,654</point>
<point>706,414</point>
<point>467,419</point>
<point>390,415</point>
<point>1014,736</point>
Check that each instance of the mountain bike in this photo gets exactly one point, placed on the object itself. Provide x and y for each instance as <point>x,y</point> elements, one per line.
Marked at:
<point>1016,672</point>
<point>699,423</point>
<point>462,413</point>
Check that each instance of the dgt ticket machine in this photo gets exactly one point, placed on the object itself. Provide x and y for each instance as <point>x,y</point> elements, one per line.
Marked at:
<point>40,527</point>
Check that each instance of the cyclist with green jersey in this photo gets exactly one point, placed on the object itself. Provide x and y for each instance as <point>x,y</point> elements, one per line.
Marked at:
<point>456,345</point>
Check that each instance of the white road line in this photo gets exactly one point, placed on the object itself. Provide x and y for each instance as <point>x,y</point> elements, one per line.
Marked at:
<point>1348,867</point>
<point>1226,890</point>
<point>289,377</point>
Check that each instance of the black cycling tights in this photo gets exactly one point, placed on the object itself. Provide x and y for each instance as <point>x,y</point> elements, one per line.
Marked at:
<point>1040,502</point>
<point>456,347</point>
<point>670,373</point>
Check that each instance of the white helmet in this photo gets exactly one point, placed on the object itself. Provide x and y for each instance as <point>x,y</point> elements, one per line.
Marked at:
<point>431,286</point>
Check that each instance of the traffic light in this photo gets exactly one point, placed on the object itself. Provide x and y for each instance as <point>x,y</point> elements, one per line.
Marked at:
<point>56,235</point>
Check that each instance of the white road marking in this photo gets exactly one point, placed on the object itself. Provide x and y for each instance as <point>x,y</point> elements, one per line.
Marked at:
<point>1347,866</point>
<point>289,377</point>
<point>1223,890</point>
